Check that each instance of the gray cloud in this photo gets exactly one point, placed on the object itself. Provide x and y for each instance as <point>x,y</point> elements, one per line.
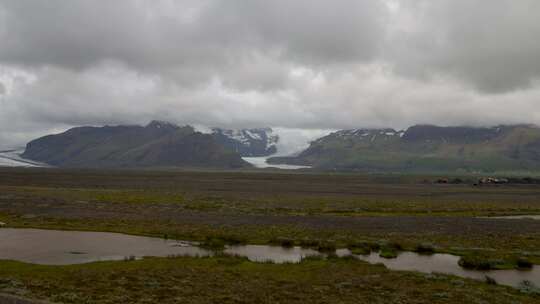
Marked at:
<point>160,34</point>
<point>304,64</point>
<point>490,45</point>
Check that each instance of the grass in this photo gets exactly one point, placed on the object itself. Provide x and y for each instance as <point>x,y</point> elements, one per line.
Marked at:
<point>389,250</point>
<point>308,210</point>
<point>235,280</point>
<point>508,249</point>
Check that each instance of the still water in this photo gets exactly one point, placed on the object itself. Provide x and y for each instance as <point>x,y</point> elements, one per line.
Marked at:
<point>51,247</point>
<point>448,264</point>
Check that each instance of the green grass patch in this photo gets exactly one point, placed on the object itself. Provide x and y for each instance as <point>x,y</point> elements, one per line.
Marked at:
<point>235,280</point>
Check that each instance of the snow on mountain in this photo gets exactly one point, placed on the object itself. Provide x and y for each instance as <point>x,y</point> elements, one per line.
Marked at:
<point>248,142</point>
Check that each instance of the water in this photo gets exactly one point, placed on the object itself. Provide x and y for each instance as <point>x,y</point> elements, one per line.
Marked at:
<point>516,217</point>
<point>448,264</point>
<point>276,254</point>
<point>51,247</point>
<point>260,162</point>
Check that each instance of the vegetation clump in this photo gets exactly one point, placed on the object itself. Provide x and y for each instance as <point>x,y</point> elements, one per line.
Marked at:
<point>308,243</point>
<point>479,262</point>
<point>326,246</point>
<point>524,263</point>
<point>389,250</point>
<point>283,242</point>
<point>219,242</point>
<point>388,253</point>
<point>490,281</point>
<point>362,248</point>
<point>425,248</point>
<point>527,287</point>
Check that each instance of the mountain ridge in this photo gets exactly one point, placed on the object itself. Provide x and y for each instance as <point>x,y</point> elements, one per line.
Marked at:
<point>158,144</point>
<point>425,148</point>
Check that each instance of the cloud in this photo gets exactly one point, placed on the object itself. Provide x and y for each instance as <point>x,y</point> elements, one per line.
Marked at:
<point>493,47</point>
<point>295,65</point>
<point>187,34</point>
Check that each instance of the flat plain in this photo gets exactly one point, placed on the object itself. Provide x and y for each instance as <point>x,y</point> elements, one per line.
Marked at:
<point>323,210</point>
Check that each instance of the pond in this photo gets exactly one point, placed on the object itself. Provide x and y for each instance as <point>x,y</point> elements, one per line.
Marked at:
<point>448,264</point>
<point>51,247</point>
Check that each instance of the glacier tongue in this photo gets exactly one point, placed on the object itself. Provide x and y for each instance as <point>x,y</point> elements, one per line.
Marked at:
<point>12,158</point>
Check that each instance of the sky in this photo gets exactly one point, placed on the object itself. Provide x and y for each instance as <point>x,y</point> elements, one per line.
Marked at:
<point>300,65</point>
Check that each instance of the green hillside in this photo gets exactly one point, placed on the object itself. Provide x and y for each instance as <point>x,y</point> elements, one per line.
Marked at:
<point>158,144</point>
<point>425,148</point>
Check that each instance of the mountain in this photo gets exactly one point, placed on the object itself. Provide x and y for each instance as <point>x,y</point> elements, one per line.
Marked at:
<point>425,148</point>
<point>159,144</point>
<point>248,142</point>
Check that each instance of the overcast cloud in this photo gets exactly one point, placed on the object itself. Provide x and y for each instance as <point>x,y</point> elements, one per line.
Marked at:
<point>288,64</point>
